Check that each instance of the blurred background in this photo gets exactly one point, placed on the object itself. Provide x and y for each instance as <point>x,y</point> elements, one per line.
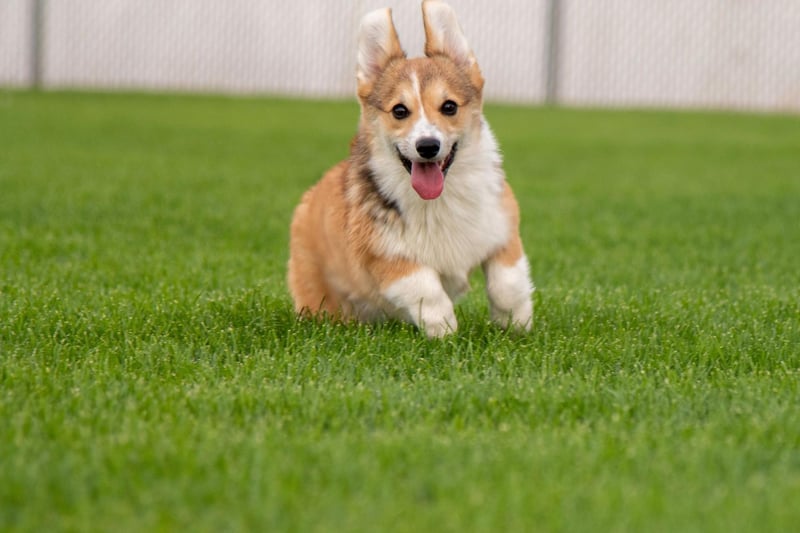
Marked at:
<point>717,54</point>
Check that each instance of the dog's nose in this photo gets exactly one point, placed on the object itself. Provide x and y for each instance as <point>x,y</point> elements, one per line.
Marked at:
<point>428,147</point>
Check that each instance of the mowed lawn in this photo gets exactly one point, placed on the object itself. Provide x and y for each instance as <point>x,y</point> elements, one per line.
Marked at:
<point>153,376</point>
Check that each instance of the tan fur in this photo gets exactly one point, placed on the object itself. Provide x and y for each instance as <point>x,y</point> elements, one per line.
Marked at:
<point>509,254</point>
<point>437,45</point>
<point>339,264</point>
<point>333,257</point>
<point>393,51</point>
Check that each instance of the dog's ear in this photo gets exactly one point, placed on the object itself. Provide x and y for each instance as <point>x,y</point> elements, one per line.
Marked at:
<point>378,45</point>
<point>443,36</point>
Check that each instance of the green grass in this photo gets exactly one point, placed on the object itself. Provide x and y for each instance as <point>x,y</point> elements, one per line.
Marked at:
<point>153,377</point>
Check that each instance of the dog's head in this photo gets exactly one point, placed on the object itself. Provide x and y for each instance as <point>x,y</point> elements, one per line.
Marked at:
<point>419,110</point>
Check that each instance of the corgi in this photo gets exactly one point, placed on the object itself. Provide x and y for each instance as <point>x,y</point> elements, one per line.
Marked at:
<point>395,230</point>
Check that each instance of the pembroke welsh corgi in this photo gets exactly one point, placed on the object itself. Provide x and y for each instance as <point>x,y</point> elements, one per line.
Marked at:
<point>395,229</point>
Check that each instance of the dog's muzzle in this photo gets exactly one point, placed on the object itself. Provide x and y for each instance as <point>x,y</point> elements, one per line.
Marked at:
<point>444,165</point>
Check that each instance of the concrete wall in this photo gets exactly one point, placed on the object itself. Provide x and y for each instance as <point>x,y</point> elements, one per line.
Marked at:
<point>685,53</point>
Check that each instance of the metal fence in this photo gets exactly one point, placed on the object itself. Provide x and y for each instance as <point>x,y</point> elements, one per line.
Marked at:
<point>741,54</point>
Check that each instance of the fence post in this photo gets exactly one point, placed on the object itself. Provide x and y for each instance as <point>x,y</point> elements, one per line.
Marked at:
<point>37,43</point>
<point>552,45</point>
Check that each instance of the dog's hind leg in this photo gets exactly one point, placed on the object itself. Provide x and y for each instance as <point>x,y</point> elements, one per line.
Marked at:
<point>310,293</point>
<point>307,283</point>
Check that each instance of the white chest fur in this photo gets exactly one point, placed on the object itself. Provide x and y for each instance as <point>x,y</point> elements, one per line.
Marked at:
<point>462,227</point>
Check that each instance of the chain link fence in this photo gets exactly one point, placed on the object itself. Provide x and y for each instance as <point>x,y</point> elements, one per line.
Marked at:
<point>740,54</point>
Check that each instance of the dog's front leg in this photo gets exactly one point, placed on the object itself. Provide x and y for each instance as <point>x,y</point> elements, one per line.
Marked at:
<point>509,287</point>
<point>420,298</point>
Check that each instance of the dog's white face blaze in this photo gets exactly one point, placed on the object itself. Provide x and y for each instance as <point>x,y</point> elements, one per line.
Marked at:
<point>426,149</point>
<point>422,127</point>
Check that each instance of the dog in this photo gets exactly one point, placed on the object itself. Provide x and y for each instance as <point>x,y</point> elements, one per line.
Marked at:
<point>395,230</point>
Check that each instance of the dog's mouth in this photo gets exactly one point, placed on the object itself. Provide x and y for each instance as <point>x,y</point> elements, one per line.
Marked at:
<point>444,164</point>
<point>427,178</point>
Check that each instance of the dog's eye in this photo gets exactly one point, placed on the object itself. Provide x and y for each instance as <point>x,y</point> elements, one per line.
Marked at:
<point>449,108</point>
<point>400,112</point>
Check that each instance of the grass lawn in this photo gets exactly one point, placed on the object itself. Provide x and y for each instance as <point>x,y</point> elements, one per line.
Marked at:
<point>153,376</point>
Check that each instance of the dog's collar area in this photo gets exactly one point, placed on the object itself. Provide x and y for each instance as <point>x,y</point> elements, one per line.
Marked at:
<point>446,162</point>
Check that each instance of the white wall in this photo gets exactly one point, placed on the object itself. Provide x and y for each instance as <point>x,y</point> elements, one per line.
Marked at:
<point>15,41</point>
<point>704,53</point>
<point>696,53</point>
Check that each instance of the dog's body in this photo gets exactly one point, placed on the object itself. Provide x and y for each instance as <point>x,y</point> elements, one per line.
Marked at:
<point>396,229</point>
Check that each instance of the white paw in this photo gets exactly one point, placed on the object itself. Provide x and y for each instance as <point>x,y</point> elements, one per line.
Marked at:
<point>509,289</point>
<point>438,322</point>
<point>421,299</point>
<point>519,318</point>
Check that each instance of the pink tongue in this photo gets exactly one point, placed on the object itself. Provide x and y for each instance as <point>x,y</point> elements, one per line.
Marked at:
<point>427,179</point>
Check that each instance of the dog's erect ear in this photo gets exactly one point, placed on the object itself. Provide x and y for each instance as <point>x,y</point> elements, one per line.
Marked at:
<point>378,45</point>
<point>443,36</point>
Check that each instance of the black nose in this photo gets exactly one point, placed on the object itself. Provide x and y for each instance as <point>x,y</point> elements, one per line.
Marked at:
<point>428,147</point>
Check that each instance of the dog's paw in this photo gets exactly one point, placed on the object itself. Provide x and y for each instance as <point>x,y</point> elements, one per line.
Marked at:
<point>438,323</point>
<point>509,289</point>
<point>420,298</point>
<point>520,317</point>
